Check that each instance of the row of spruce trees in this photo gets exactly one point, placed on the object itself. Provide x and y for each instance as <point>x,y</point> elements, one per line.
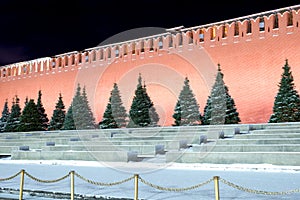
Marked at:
<point>220,109</point>
<point>79,114</point>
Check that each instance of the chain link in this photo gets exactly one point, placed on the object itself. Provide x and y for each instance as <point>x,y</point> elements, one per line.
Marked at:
<point>175,189</point>
<point>101,183</point>
<point>11,177</point>
<point>47,181</point>
<point>258,191</point>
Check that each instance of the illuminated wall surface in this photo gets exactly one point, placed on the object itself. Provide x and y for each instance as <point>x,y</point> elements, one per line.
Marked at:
<point>251,51</point>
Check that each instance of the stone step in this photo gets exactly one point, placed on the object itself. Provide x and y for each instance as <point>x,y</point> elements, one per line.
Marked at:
<point>281,127</point>
<point>191,138</point>
<point>20,143</point>
<point>141,149</point>
<point>7,149</point>
<point>54,134</point>
<point>109,156</point>
<point>258,141</point>
<point>151,131</point>
<point>275,131</point>
<point>246,148</point>
<point>36,144</point>
<point>227,129</point>
<point>284,125</point>
<point>42,140</point>
<point>266,136</point>
<point>168,144</point>
<point>60,138</point>
<point>275,158</point>
<point>13,137</point>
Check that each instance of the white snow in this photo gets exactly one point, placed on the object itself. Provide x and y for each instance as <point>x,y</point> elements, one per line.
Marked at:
<point>263,177</point>
<point>153,165</point>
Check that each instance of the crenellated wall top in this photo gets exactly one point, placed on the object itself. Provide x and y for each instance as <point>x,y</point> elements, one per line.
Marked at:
<point>259,25</point>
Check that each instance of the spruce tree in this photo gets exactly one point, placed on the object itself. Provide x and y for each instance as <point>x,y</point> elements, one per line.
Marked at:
<point>82,113</point>
<point>42,113</point>
<point>58,117</point>
<point>154,117</point>
<point>206,118</point>
<point>30,119</point>
<point>220,106</point>
<point>4,117</point>
<point>177,114</point>
<point>108,120</point>
<point>26,101</point>
<point>88,116</point>
<point>187,108</point>
<point>118,110</point>
<point>13,120</point>
<point>140,107</point>
<point>69,123</point>
<point>76,107</point>
<point>286,106</point>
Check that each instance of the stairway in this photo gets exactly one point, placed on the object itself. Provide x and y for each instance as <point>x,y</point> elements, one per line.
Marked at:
<point>277,144</point>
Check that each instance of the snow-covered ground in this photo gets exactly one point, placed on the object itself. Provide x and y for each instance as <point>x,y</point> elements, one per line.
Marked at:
<point>262,177</point>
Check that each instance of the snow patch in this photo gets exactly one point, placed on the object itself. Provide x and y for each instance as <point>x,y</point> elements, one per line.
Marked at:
<point>185,166</point>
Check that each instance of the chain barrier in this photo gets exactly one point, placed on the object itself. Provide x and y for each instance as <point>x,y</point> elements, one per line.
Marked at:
<point>155,186</point>
<point>175,189</point>
<point>258,191</point>
<point>11,177</point>
<point>47,181</point>
<point>101,183</point>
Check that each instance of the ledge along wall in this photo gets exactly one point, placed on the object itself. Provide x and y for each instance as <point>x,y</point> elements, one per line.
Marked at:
<point>251,51</point>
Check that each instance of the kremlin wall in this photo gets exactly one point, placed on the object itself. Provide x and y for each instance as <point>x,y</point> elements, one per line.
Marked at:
<point>251,51</point>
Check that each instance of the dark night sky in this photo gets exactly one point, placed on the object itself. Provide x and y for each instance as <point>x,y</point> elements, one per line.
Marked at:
<point>39,28</point>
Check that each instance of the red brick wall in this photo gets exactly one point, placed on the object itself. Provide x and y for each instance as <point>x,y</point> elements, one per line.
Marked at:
<point>251,63</point>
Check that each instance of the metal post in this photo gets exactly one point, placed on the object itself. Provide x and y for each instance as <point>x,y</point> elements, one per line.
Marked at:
<point>72,185</point>
<point>136,186</point>
<point>216,181</point>
<point>21,184</point>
